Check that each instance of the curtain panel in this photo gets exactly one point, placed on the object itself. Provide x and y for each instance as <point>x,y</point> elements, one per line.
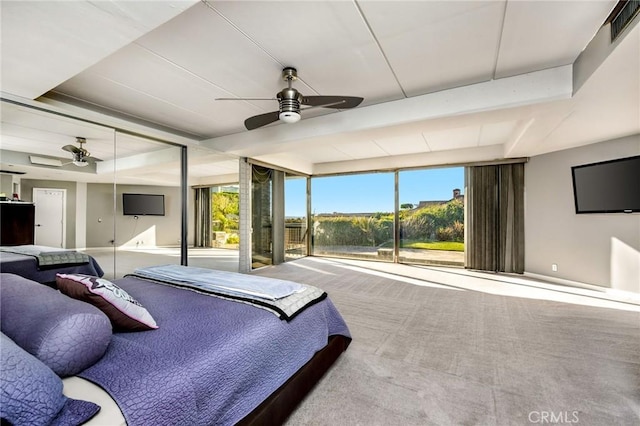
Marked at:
<point>495,218</point>
<point>203,217</point>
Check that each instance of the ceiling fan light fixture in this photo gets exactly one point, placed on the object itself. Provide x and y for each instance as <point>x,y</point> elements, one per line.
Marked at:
<point>289,116</point>
<point>79,159</point>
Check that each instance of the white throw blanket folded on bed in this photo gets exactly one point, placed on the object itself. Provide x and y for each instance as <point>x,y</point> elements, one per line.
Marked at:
<point>228,282</point>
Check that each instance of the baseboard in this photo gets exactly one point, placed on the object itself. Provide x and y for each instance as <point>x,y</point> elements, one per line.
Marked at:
<point>125,248</point>
<point>619,295</point>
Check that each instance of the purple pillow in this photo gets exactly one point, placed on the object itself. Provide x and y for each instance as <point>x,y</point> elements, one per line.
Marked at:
<point>31,393</point>
<point>65,334</point>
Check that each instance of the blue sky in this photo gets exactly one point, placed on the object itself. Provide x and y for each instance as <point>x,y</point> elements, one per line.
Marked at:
<point>371,192</point>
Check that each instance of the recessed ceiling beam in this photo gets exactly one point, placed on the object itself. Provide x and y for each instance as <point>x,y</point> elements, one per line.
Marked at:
<point>526,89</point>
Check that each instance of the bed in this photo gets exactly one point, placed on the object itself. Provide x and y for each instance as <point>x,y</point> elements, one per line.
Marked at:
<point>42,263</point>
<point>213,358</point>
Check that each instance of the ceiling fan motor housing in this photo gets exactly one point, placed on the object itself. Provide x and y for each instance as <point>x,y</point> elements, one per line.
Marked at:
<point>79,159</point>
<point>289,100</point>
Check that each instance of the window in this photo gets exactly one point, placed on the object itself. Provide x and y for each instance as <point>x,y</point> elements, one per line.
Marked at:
<point>353,216</point>
<point>432,216</point>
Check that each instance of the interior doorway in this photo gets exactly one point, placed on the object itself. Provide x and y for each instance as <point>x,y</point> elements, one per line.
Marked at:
<point>50,218</point>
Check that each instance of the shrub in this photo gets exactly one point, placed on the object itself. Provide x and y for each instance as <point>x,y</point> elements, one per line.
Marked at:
<point>233,239</point>
<point>458,231</point>
<point>352,231</point>
<point>425,223</point>
<point>444,234</point>
<point>454,232</point>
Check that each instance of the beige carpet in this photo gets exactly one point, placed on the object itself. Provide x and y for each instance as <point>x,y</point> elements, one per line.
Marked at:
<point>438,356</point>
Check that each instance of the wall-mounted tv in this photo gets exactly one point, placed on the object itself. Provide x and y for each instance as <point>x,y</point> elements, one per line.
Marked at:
<point>143,204</point>
<point>607,187</point>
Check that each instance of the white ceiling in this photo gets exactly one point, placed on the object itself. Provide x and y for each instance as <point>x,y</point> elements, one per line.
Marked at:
<point>443,81</point>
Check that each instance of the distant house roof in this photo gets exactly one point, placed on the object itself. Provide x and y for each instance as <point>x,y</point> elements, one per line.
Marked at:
<point>456,196</point>
<point>422,204</point>
<point>339,214</point>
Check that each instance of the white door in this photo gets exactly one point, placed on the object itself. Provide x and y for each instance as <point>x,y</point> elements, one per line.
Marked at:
<point>49,216</point>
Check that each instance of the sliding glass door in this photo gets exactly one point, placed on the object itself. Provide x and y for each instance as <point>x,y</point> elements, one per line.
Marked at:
<point>295,217</point>
<point>431,216</point>
<point>278,216</point>
<point>353,216</point>
<point>261,216</point>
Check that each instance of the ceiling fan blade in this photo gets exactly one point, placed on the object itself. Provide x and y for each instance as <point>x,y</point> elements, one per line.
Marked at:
<point>261,120</point>
<point>82,159</point>
<point>328,105</point>
<point>338,102</point>
<point>71,148</point>
<point>245,99</point>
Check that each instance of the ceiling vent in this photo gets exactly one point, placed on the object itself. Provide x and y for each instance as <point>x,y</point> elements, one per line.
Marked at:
<point>624,18</point>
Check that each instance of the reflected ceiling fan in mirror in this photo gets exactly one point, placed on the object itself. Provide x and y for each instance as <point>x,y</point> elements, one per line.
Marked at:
<point>290,101</point>
<point>81,157</point>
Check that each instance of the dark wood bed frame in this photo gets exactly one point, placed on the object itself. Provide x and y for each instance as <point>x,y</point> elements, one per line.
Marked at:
<point>276,408</point>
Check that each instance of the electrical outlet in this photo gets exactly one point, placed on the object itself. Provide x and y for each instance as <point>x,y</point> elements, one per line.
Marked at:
<point>554,267</point>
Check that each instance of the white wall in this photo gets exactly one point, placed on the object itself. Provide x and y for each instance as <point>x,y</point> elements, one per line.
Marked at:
<point>81,215</point>
<point>6,185</point>
<point>598,249</point>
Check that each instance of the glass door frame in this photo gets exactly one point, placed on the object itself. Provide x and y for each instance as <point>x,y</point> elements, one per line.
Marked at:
<point>277,208</point>
<point>394,254</point>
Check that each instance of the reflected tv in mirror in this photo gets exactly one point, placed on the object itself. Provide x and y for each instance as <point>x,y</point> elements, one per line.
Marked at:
<point>607,187</point>
<point>143,204</point>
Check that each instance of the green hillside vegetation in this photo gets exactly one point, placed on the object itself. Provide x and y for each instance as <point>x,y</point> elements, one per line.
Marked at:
<point>225,211</point>
<point>436,227</point>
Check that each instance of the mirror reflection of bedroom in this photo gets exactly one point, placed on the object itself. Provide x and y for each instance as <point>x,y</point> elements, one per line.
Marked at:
<point>110,194</point>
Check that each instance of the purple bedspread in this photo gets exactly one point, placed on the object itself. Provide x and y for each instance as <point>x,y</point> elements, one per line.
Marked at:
<point>212,361</point>
<point>27,266</point>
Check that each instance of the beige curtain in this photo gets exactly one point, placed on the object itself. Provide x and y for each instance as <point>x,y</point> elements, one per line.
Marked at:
<point>495,218</point>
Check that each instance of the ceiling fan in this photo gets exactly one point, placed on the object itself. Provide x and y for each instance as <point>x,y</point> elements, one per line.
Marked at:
<point>290,101</point>
<point>81,157</point>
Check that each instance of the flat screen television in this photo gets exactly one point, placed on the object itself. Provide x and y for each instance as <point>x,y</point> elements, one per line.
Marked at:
<point>143,204</point>
<point>607,187</point>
